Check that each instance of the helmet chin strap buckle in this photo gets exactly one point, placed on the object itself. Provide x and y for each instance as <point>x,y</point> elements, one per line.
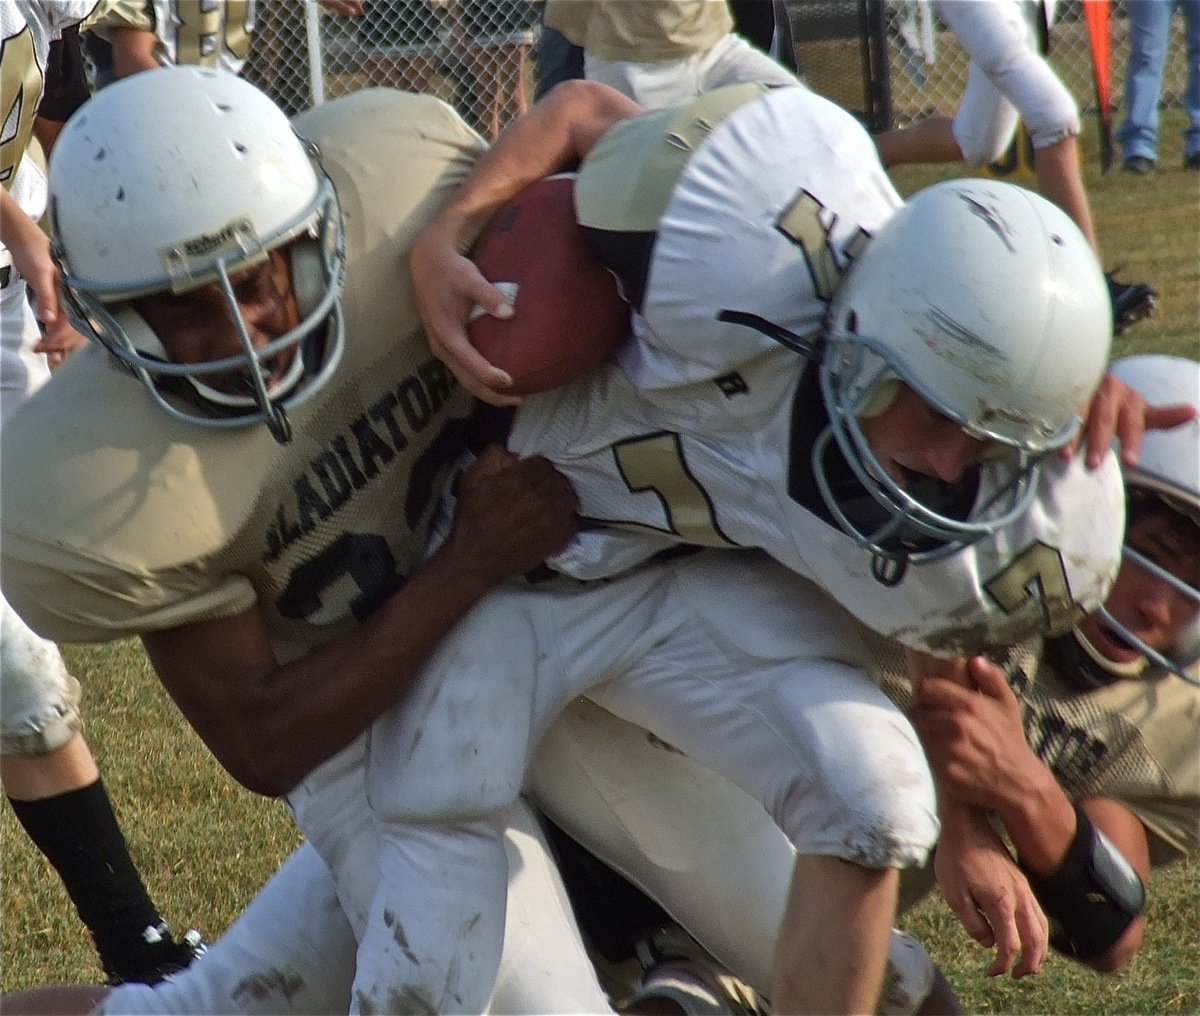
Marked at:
<point>888,571</point>
<point>277,422</point>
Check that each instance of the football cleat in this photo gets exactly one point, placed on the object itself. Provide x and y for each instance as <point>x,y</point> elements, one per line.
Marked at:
<point>162,958</point>
<point>678,969</point>
<point>1131,301</point>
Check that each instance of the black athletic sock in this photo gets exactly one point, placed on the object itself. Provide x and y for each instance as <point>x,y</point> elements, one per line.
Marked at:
<point>79,834</point>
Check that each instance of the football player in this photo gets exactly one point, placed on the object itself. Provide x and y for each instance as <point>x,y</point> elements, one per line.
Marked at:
<point>730,238</point>
<point>1090,754</point>
<point>1115,733</point>
<point>265,580</point>
<point>663,52</point>
<point>228,323</point>
<point>1007,77</point>
<point>140,35</point>
<point>1108,782</point>
<point>49,774</point>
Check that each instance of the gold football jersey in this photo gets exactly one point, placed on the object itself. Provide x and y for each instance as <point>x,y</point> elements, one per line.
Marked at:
<point>648,30</point>
<point>26,31</point>
<point>119,520</point>
<point>1135,741</point>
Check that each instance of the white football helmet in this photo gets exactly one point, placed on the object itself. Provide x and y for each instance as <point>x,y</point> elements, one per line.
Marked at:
<point>176,178</point>
<point>1169,471</point>
<point>988,302</point>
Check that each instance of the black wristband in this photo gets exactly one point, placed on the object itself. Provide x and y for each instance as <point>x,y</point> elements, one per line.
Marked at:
<point>1092,897</point>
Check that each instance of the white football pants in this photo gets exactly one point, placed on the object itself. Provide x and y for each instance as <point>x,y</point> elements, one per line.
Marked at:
<point>292,950</point>
<point>728,656</point>
<point>702,848</point>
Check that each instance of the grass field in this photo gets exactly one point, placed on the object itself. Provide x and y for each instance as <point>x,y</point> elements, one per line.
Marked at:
<point>204,845</point>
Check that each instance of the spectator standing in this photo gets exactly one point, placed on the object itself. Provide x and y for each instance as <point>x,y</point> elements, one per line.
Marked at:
<point>1149,36</point>
<point>662,52</point>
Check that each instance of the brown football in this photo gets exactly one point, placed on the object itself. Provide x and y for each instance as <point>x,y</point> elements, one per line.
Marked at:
<point>568,315</point>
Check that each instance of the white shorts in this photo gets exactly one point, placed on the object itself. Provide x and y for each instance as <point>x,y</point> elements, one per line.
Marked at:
<point>732,61</point>
<point>727,655</point>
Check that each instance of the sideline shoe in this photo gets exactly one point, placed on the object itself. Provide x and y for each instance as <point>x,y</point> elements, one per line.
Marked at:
<point>1139,164</point>
<point>1192,161</point>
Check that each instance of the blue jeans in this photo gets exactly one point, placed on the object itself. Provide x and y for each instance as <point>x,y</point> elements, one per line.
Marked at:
<point>1149,33</point>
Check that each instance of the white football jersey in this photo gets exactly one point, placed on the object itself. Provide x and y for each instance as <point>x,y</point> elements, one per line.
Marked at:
<point>702,431</point>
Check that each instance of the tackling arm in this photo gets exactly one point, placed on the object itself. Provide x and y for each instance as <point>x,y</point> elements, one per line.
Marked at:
<point>1085,864</point>
<point>975,872</point>
<point>271,724</point>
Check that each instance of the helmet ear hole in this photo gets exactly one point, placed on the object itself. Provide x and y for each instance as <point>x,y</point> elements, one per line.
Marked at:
<point>308,275</point>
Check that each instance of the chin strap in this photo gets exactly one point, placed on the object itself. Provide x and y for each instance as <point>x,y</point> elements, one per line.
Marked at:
<point>1116,671</point>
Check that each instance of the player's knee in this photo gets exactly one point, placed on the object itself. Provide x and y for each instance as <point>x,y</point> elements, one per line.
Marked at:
<point>877,806</point>
<point>979,138</point>
<point>1054,125</point>
<point>39,700</point>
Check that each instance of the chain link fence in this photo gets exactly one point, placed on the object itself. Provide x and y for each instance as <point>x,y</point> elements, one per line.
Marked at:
<point>478,55</point>
<point>926,65</point>
<point>481,55</point>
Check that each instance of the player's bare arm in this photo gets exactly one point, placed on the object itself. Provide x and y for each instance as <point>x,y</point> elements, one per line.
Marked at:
<point>553,136</point>
<point>989,893</point>
<point>30,248</point>
<point>975,872</point>
<point>976,741</point>
<point>271,724</point>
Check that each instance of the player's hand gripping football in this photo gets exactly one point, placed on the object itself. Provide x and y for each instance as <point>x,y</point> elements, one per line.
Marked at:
<point>448,286</point>
<point>511,514</point>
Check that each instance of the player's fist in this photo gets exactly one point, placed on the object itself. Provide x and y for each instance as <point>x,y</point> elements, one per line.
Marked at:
<point>511,514</point>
